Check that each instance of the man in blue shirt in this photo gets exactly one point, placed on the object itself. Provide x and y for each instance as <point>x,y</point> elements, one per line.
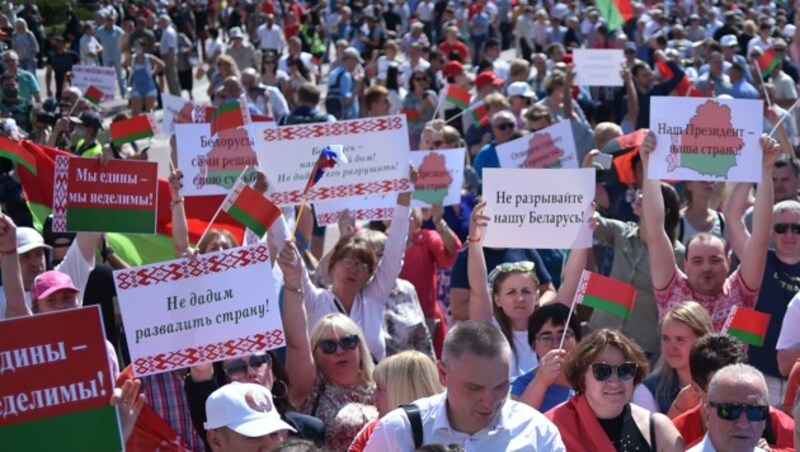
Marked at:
<point>342,79</point>
<point>109,36</point>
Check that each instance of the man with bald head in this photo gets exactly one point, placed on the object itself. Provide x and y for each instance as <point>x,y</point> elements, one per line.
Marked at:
<point>264,99</point>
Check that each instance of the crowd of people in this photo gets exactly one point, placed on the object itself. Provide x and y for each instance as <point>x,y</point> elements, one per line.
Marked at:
<point>409,334</point>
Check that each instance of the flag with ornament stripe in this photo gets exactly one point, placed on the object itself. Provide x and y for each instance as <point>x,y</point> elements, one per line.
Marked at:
<point>93,94</point>
<point>606,294</point>
<point>251,208</point>
<point>228,116</point>
<point>129,130</point>
<point>17,154</point>
<point>748,325</point>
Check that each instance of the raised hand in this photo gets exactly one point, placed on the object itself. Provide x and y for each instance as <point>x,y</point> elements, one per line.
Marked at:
<point>478,221</point>
<point>175,180</point>
<point>8,234</point>
<point>129,403</point>
<point>771,150</point>
<point>291,264</point>
<point>347,223</point>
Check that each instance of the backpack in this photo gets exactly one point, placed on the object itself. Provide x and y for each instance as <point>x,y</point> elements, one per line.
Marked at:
<point>293,119</point>
<point>334,102</point>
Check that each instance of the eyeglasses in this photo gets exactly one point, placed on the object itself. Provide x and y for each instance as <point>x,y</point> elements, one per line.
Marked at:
<point>603,371</point>
<point>421,79</point>
<point>547,339</point>
<point>783,228</point>
<point>352,264</point>
<point>505,126</point>
<point>329,346</point>
<point>239,366</point>
<point>732,411</point>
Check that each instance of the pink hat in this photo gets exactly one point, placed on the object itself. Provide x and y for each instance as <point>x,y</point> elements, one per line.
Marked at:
<point>50,282</point>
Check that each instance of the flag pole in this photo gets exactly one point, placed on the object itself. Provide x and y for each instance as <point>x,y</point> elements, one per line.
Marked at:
<point>219,209</point>
<point>299,215</point>
<point>788,112</point>
<point>763,84</point>
<point>569,316</point>
<point>458,115</point>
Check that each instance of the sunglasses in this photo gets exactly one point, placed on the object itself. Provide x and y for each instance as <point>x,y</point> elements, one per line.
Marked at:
<point>783,228</point>
<point>521,266</point>
<point>329,346</point>
<point>239,366</point>
<point>421,79</point>
<point>732,411</point>
<point>505,126</point>
<point>603,371</point>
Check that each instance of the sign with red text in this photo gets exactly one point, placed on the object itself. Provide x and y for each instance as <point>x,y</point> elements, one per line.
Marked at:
<point>55,383</point>
<point>441,175</point>
<point>706,139</point>
<point>552,147</point>
<point>118,196</point>
<point>376,148</point>
<point>101,77</point>
<point>193,311</point>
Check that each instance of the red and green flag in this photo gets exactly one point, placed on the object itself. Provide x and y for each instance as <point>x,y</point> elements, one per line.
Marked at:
<point>251,208</point>
<point>685,87</point>
<point>748,325</point>
<point>458,96</point>
<point>412,114</point>
<point>606,294</point>
<point>93,95</point>
<point>625,149</point>
<point>129,130</point>
<point>615,12</point>
<point>228,116</point>
<point>16,153</point>
<point>769,61</point>
<point>480,114</point>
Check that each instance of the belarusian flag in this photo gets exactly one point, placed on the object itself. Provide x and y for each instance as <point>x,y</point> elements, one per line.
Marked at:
<point>748,325</point>
<point>251,208</point>
<point>229,115</point>
<point>616,12</point>
<point>685,87</point>
<point>458,96</point>
<point>769,61</point>
<point>480,114</point>
<point>16,153</point>
<point>132,129</point>
<point>93,95</point>
<point>411,114</point>
<point>606,294</point>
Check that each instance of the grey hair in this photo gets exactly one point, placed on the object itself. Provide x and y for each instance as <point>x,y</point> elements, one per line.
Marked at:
<point>739,372</point>
<point>788,206</point>
<point>472,336</point>
<point>503,114</point>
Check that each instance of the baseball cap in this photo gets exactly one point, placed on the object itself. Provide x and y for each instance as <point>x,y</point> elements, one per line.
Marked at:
<point>50,282</point>
<point>352,52</point>
<point>520,89</point>
<point>88,118</point>
<point>235,33</point>
<point>29,239</point>
<point>630,46</point>
<point>452,68</point>
<point>729,41</point>
<point>245,408</point>
<point>789,30</point>
<point>487,78</point>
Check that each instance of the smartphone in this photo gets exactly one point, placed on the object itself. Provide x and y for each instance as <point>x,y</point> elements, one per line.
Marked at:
<point>604,160</point>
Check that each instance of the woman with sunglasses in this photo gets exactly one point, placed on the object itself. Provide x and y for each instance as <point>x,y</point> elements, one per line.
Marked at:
<point>226,67</point>
<point>331,369</point>
<point>603,370</point>
<point>422,102</point>
<point>271,75</point>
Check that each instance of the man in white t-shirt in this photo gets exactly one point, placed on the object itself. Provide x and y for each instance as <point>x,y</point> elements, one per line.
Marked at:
<point>168,49</point>
<point>270,36</point>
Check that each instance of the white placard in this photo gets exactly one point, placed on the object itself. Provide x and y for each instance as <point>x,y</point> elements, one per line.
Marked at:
<point>551,147</point>
<point>377,150</point>
<point>441,175</point>
<point>598,67</point>
<point>367,208</point>
<point>706,139</point>
<point>101,77</point>
<point>187,312</point>
<point>174,108</point>
<point>538,208</point>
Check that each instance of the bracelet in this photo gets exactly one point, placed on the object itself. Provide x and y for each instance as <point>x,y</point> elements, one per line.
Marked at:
<point>473,239</point>
<point>296,290</point>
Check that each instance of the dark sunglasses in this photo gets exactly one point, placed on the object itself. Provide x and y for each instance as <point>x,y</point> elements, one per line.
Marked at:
<point>732,411</point>
<point>505,126</point>
<point>329,346</point>
<point>239,366</point>
<point>603,371</point>
<point>421,79</point>
<point>783,228</point>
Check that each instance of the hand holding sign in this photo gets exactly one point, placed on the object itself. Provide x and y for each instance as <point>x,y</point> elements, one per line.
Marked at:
<point>478,222</point>
<point>771,150</point>
<point>129,403</point>
<point>291,265</point>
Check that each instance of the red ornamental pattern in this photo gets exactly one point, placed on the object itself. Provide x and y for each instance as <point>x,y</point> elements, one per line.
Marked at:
<point>173,271</point>
<point>381,213</point>
<point>334,129</point>
<point>341,191</point>
<point>207,353</point>
<point>60,193</point>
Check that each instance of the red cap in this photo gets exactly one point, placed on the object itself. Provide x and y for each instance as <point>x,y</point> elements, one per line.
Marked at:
<point>487,78</point>
<point>452,68</point>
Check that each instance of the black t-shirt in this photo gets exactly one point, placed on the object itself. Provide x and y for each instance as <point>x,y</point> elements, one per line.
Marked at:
<point>63,62</point>
<point>495,257</point>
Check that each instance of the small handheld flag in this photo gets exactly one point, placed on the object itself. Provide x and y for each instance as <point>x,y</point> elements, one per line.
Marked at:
<point>747,325</point>
<point>93,95</point>
<point>228,116</point>
<point>457,96</point>
<point>132,129</point>
<point>328,158</point>
<point>251,209</point>
<point>606,294</point>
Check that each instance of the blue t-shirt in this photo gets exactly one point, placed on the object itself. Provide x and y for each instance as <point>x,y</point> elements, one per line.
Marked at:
<point>664,399</point>
<point>495,257</point>
<point>486,158</point>
<point>553,396</point>
<point>346,88</point>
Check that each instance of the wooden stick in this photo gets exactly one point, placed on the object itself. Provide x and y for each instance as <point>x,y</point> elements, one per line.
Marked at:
<point>219,209</point>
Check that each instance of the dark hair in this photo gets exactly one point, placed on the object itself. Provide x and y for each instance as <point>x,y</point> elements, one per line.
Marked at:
<point>373,95</point>
<point>581,357</point>
<point>704,237</point>
<point>499,314</point>
<point>672,210</point>
<point>491,43</point>
<point>557,314</point>
<point>308,93</point>
<point>711,353</point>
<point>357,247</point>
<point>784,160</point>
<point>637,67</point>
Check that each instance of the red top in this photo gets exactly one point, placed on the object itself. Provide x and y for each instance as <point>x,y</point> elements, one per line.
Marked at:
<point>458,47</point>
<point>360,443</point>
<point>690,427</point>
<point>426,252</point>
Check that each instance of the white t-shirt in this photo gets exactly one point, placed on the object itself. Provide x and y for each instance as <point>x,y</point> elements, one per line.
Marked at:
<point>271,37</point>
<point>790,329</point>
<point>525,357</point>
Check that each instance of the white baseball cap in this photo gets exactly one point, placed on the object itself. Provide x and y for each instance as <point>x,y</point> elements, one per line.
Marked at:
<point>729,41</point>
<point>520,89</point>
<point>245,408</point>
<point>28,239</point>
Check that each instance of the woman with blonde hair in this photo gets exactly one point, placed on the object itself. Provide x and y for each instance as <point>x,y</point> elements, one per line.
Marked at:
<point>400,379</point>
<point>226,67</point>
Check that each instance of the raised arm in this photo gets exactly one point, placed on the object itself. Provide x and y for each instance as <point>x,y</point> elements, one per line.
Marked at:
<point>754,256</point>
<point>16,306</point>
<point>632,96</point>
<point>659,248</point>
<point>573,269</point>
<point>299,359</point>
<point>180,230</point>
<point>734,218</point>
<point>480,299</point>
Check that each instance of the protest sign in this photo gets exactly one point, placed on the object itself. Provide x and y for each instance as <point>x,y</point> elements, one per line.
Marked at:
<point>118,196</point>
<point>441,174</point>
<point>176,110</point>
<point>598,67</point>
<point>538,208</point>
<point>367,208</point>
<point>186,312</point>
<point>552,147</point>
<point>101,77</point>
<point>706,139</point>
<point>211,165</point>
<point>377,150</point>
<point>56,383</point>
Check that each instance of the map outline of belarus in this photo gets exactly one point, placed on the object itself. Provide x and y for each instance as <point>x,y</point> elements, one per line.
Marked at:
<point>434,179</point>
<point>699,144</point>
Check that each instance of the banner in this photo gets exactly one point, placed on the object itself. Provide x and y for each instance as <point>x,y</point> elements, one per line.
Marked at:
<point>377,149</point>
<point>56,383</point>
<point>193,311</point>
<point>706,139</point>
<point>211,166</point>
<point>537,208</point>
<point>551,147</point>
<point>598,67</point>
<point>101,77</point>
<point>441,175</point>
<point>367,208</point>
<point>118,196</point>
